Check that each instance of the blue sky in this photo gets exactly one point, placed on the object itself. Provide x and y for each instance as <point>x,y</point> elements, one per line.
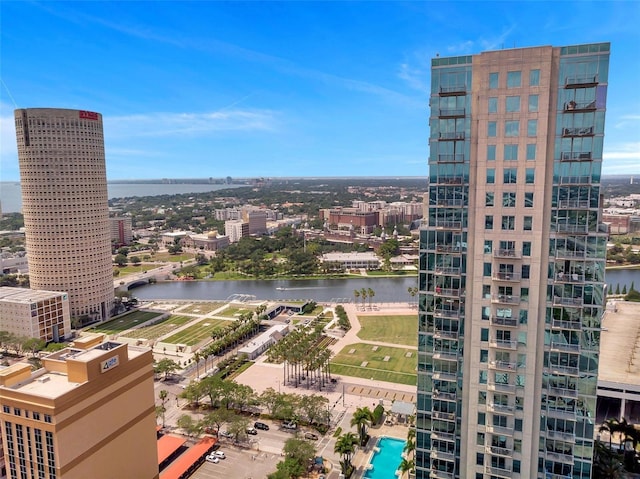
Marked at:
<point>199,89</point>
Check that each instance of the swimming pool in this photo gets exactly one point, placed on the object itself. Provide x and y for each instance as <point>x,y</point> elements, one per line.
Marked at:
<point>387,459</point>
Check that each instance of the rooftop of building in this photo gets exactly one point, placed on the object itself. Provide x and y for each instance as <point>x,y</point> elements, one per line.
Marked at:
<point>55,378</point>
<point>355,256</point>
<point>620,343</point>
<point>26,296</point>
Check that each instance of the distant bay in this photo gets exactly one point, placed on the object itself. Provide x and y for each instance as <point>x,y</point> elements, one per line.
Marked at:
<point>11,196</point>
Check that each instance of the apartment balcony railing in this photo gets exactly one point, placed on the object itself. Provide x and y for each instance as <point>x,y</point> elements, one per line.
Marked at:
<point>450,202</point>
<point>445,416</point>
<point>441,333</point>
<point>578,131</point>
<point>444,376</point>
<point>577,106</point>
<point>451,112</point>
<point>438,474</point>
<point>503,365</point>
<point>501,408</point>
<point>570,325</point>
<point>561,369</point>
<point>449,225</point>
<point>506,253</point>
<point>502,321</point>
<point>550,475</point>
<point>451,158</point>
<point>504,276</point>
<point>446,355</point>
<point>451,135</point>
<point>576,156</point>
<point>442,436</point>
<point>441,248</point>
<point>449,180</point>
<point>565,347</point>
<point>566,414</point>
<point>571,302</point>
<point>501,387</point>
<point>575,180</point>
<point>574,204</point>
<point>499,471</point>
<point>561,435</point>
<point>503,344</point>
<point>572,229</point>
<point>448,270</point>
<point>565,392</point>
<point>443,395</point>
<point>448,292</point>
<point>501,430</point>
<point>446,313</point>
<point>570,278</point>
<point>580,81</point>
<point>453,90</point>
<point>499,451</point>
<point>443,456</point>
<point>559,457</point>
<point>563,253</point>
<point>505,299</point>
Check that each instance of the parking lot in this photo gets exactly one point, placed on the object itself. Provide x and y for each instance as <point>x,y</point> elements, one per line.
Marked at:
<point>255,461</point>
<point>240,464</point>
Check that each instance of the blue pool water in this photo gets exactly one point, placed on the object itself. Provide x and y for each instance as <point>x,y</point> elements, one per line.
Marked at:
<point>387,460</point>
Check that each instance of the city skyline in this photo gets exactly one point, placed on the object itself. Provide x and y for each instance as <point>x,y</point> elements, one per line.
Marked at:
<point>281,89</point>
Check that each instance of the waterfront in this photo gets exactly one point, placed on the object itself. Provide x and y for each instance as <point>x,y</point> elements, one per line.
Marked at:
<point>387,290</point>
<point>11,196</point>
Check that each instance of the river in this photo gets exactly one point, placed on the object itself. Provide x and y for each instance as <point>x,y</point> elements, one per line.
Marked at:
<point>387,290</point>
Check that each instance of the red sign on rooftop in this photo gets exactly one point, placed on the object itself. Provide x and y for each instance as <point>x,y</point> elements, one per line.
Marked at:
<point>88,115</point>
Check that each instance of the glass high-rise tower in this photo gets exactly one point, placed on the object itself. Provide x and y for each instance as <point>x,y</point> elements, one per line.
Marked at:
<point>512,259</point>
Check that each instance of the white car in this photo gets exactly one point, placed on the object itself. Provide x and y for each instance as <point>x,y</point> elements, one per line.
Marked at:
<point>212,458</point>
<point>218,454</point>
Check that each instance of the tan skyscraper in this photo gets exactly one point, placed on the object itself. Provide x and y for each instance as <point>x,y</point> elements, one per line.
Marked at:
<point>64,200</point>
<point>88,413</point>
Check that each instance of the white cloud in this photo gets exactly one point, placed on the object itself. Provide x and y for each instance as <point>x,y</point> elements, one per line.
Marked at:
<point>622,158</point>
<point>189,124</point>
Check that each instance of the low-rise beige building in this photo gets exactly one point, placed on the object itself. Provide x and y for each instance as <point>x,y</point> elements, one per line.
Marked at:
<point>88,412</point>
<point>34,313</point>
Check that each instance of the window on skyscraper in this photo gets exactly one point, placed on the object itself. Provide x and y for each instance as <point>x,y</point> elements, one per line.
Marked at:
<point>510,175</point>
<point>533,103</point>
<point>491,152</point>
<point>528,200</point>
<point>513,104</point>
<point>532,127</point>
<point>492,128</point>
<point>514,79</point>
<point>510,152</point>
<point>493,80</point>
<point>509,200</point>
<point>493,105</point>
<point>512,128</point>
<point>534,77</point>
<point>531,152</point>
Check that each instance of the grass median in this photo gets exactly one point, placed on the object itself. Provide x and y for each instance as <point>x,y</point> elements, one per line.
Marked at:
<point>380,363</point>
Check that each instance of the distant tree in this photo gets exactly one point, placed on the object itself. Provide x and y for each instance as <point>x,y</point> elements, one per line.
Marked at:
<point>624,289</point>
<point>124,251</point>
<point>617,288</point>
<point>33,345</point>
<point>164,396</point>
<point>135,260</point>
<point>166,366</point>
<point>120,260</point>
<point>189,425</point>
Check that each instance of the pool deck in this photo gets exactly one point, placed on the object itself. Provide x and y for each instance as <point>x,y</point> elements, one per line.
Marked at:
<point>363,456</point>
<point>374,450</point>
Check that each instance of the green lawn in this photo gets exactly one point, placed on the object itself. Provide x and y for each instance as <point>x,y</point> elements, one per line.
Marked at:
<point>201,308</point>
<point>234,312</point>
<point>131,269</point>
<point>173,258</point>
<point>398,369</point>
<point>197,332</point>
<point>159,329</point>
<point>125,322</point>
<point>396,329</point>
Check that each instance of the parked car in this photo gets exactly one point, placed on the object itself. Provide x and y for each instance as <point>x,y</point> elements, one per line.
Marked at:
<point>289,425</point>
<point>212,458</point>
<point>311,436</point>
<point>252,431</point>
<point>226,434</point>
<point>219,454</point>
<point>261,425</point>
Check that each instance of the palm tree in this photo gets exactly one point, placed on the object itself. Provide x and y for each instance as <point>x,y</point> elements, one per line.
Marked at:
<point>610,426</point>
<point>356,295</point>
<point>164,395</point>
<point>406,465</point>
<point>345,446</point>
<point>197,357</point>
<point>371,294</point>
<point>363,295</point>
<point>362,419</point>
